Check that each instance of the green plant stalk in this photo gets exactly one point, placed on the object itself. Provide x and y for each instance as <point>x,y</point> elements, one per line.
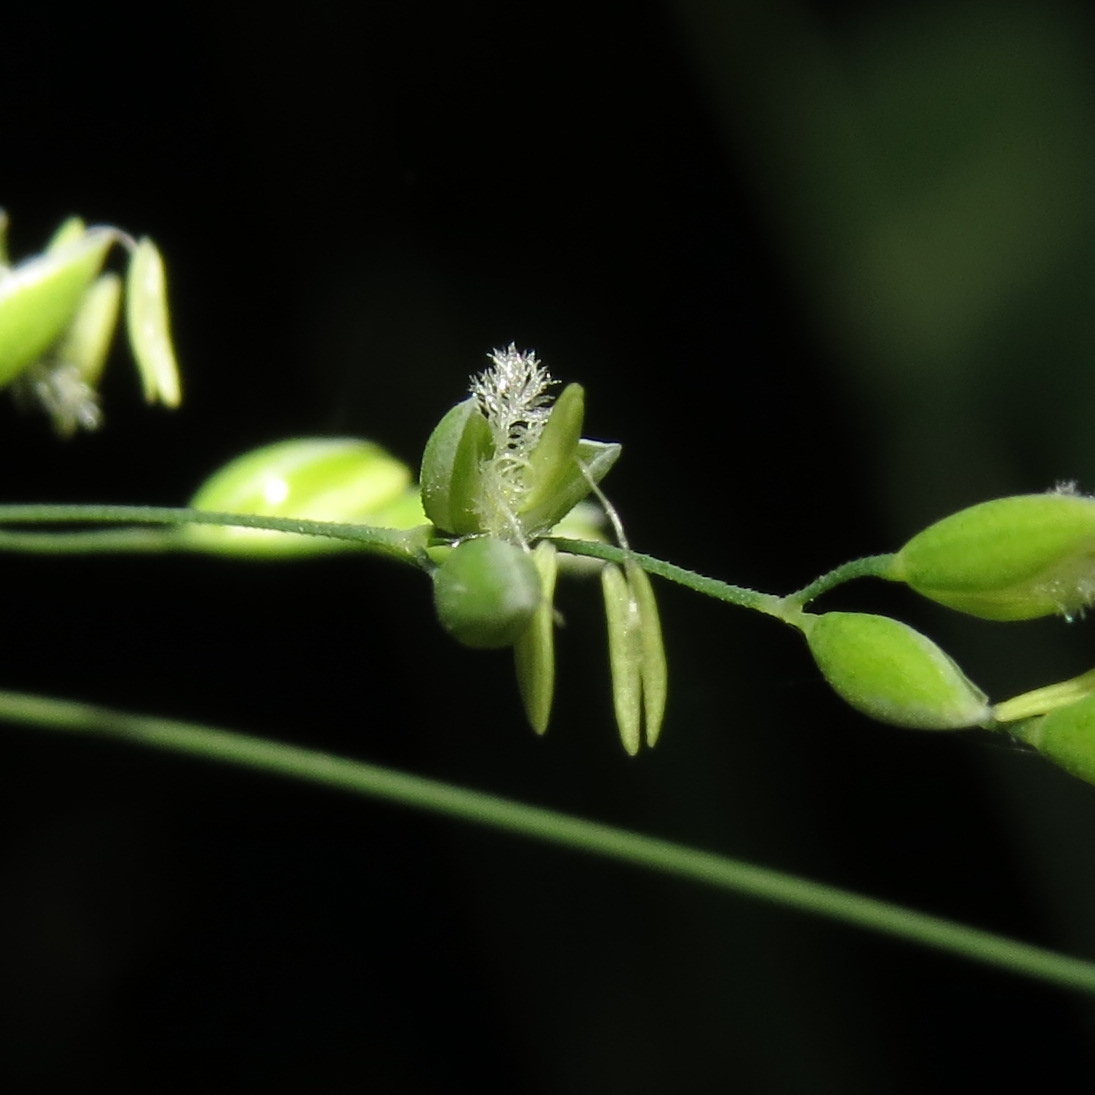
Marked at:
<point>405,545</point>
<point>576,834</point>
<point>870,566</point>
<point>91,541</point>
<point>767,603</point>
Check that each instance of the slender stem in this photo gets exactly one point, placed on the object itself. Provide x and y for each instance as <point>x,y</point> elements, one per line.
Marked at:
<point>710,587</point>
<point>406,545</point>
<point>871,566</point>
<point>550,827</point>
<point>91,541</point>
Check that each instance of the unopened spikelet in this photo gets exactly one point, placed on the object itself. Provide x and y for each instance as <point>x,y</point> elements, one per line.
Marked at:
<point>892,673</point>
<point>1009,559</point>
<point>340,479</point>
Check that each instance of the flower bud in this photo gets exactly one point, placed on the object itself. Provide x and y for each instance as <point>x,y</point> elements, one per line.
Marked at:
<point>317,479</point>
<point>892,673</point>
<point>486,592</point>
<point>1065,736</point>
<point>1010,559</point>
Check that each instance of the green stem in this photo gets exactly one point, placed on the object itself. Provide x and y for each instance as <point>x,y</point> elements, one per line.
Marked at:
<point>91,542</point>
<point>871,566</point>
<point>570,832</point>
<point>710,587</point>
<point>406,545</point>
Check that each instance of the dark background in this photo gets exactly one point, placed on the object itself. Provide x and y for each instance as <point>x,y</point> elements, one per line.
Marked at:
<point>826,274</point>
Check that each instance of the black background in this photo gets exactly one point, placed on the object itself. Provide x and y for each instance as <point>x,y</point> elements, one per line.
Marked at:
<point>355,205</point>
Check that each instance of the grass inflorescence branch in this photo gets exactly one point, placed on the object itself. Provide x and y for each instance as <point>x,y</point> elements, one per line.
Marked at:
<point>547,826</point>
<point>405,545</point>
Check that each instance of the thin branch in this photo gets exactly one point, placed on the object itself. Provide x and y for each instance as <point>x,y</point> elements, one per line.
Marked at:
<point>574,833</point>
<point>870,566</point>
<point>710,587</point>
<point>405,545</point>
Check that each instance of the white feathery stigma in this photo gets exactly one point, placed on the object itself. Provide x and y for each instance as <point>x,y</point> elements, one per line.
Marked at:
<point>514,398</point>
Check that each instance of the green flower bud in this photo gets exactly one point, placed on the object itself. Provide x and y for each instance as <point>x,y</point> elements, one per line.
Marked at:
<point>1010,559</point>
<point>317,479</point>
<point>1066,736</point>
<point>892,673</point>
<point>486,592</point>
